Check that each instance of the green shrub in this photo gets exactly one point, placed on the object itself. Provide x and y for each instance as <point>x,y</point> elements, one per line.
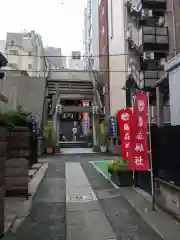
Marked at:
<point>17,117</point>
<point>118,166</point>
<point>104,133</point>
<point>4,120</point>
<point>50,134</point>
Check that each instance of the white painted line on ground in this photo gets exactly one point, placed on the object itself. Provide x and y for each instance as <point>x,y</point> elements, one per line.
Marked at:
<point>101,172</point>
<point>77,184</point>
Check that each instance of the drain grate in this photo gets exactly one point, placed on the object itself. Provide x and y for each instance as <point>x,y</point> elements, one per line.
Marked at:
<point>80,198</point>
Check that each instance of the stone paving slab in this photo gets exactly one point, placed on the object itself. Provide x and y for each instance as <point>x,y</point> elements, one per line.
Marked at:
<point>126,222</point>
<point>77,183</point>
<point>53,191</point>
<point>84,219</point>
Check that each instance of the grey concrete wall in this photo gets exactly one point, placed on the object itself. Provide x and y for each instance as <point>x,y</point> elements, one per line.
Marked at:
<point>168,197</point>
<point>25,91</point>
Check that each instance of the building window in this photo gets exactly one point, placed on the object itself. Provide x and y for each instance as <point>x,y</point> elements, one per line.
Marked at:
<point>13,52</point>
<point>13,65</point>
<point>29,53</point>
<point>29,66</point>
<point>12,43</point>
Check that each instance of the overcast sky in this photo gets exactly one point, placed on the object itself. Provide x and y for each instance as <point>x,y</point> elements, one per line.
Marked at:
<point>60,22</point>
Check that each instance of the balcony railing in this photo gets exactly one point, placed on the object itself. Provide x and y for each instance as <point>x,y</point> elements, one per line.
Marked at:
<point>151,77</point>
<point>135,6</point>
<point>149,38</point>
<point>154,4</point>
<point>147,78</point>
<point>154,38</point>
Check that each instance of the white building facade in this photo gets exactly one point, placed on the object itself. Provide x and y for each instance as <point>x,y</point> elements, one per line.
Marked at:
<point>91,35</point>
<point>117,54</point>
<point>25,51</point>
<point>55,58</point>
<point>76,62</point>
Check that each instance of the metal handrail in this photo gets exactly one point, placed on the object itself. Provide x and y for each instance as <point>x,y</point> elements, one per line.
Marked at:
<point>95,89</point>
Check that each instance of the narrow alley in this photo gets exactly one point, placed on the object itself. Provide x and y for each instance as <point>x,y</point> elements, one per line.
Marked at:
<point>74,201</point>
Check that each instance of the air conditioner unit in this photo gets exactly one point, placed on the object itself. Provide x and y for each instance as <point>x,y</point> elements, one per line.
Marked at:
<point>162,62</point>
<point>134,8</point>
<point>146,13</point>
<point>148,55</point>
<point>161,21</point>
<point>129,33</point>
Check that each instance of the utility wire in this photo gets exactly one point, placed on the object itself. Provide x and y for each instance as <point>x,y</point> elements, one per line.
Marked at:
<point>84,56</point>
<point>73,71</point>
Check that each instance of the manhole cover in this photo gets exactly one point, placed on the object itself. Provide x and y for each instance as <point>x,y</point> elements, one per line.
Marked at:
<point>80,198</point>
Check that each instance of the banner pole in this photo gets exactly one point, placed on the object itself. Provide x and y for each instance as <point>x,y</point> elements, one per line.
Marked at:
<point>133,101</point>
<point>150,158</point>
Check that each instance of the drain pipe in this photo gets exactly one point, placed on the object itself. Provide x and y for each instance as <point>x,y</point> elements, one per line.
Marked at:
<point>174,29</point>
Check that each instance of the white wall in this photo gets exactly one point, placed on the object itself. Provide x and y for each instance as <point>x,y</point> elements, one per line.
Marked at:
<point>55,58</point>
<point>76,64</point>
<point>117,47</point>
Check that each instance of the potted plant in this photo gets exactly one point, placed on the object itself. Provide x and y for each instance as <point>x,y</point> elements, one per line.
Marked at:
<point>49,135</point>
<point>103,136</point>
<point>120,174</point>
<point>90,139</point>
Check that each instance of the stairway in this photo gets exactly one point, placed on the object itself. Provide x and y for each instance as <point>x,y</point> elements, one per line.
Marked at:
<point>75,144</point>
<point>82,85</point>
<point>66,129</point>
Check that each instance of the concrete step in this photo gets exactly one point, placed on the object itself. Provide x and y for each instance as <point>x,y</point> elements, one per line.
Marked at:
<point>75,144</point>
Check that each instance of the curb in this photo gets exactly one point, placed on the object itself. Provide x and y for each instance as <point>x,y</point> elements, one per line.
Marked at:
<point>101,172</point>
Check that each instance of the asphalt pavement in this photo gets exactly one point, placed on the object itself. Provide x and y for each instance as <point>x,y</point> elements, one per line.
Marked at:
<point>74,201</point>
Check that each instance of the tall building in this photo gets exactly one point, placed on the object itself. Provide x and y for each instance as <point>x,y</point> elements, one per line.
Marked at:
<point>76,62</point>
<point>91,35</point>
<point>104,54</point>
<point>117,55</point>
<point>55,58</point>
<point>25,51</point>
<point>147,46</point>
<point>85,40</point>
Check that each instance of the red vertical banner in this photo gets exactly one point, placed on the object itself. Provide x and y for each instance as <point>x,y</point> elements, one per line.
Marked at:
<point>139,134</point>
<point>85,118</point>
<point>124,121</point>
